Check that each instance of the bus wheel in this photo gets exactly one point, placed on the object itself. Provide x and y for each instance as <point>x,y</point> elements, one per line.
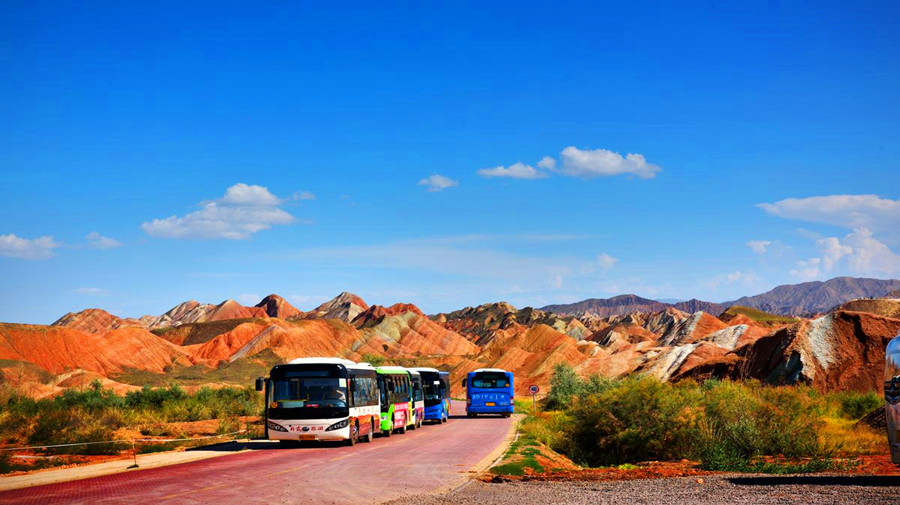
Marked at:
<point>415,423</point>
<point>506,414</point>
<point>403,429</point>
<point>368,438</point>
<point>469,414</point>
<point>387,432</point>
<point>354,433</point>
<point>444,419</point>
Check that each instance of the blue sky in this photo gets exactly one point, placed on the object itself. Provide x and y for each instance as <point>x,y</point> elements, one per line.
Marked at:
<point>157,153</point>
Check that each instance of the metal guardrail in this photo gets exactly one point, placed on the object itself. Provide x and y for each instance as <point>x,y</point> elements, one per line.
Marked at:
<point>125,441</point>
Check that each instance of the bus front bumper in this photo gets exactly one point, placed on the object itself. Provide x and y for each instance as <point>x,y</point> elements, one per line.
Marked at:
<point>484,409</point>
<point>434,412</point>
<point>312,430</point>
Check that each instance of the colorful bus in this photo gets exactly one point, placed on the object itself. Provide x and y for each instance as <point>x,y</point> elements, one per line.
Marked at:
<point>395,386</point>
<point>321,399</point>
<point>436,387</point>
<point>418,399</point>
<point>892,397</point>
<point>489,391</point>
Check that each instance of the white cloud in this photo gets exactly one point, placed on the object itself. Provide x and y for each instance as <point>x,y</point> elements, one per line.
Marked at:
<point>243,211</point>
<point>807,270</point>
<point>832,251</point>
<point>858,253</point>
<point>250,195</point>
<point>603,163</point>
<point>97,241</point>
<point>870,256</point>
<point>743,277</point>
<point>746,279</point>
<point>547,163</point>
<point>92,291</point>
<point>759,246</point>
<point>437,182</point>
<point>40,248</point>
<point>515,171</point>
<point>304,195</point>
<point>847,211</point>
<point>606,262</point>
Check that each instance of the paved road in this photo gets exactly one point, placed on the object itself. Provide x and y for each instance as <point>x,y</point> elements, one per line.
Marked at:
<point>421,461</point>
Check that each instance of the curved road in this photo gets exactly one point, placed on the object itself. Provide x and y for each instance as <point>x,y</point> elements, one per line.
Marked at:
<point>421,461</point>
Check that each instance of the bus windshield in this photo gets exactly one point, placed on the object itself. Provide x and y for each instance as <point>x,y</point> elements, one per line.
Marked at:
<point>309,390</point>
<point>488,380</point>
<point>432,388</point>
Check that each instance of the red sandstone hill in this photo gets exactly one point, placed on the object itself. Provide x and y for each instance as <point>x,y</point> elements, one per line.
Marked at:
<point>838,351</point>
<point>346,306</point>
<point>58,349</point>
<point>94,321</point>
<point>276,306</point>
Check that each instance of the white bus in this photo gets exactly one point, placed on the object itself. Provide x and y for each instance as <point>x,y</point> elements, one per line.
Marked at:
<point>892,397</point>
<point>321,399</point>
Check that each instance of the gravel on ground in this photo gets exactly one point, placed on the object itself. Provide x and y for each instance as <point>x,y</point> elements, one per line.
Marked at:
<point>709,489</point>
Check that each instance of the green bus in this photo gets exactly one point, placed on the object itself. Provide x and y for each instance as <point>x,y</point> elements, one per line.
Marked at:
<point>395,386</point>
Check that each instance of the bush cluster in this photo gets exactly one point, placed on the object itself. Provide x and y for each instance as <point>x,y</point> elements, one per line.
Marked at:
<point>725,425</point>
<point>95,413</point>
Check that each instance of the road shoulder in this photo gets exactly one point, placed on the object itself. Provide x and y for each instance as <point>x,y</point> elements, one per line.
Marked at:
<point>145,462</point>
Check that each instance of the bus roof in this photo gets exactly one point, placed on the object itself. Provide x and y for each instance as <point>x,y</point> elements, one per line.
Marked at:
<point>425,369</point>
<point>411,371</point>
<point>396,370</point>
<point>490,370</point>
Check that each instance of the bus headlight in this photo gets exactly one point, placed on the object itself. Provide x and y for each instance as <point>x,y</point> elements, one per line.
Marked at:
<point>276,427</point>
<point>338,425</point>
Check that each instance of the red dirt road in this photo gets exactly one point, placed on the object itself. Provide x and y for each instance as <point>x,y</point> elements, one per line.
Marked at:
<point>420,461</point>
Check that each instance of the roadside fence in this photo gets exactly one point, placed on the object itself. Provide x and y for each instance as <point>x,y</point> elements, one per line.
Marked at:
<point>132,441</point>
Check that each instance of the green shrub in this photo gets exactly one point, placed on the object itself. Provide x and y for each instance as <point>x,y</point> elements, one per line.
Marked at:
<point>725,425</point>
<point>856,405</point>
<point>94,414</point>
<point>636,420</point>
<point>73,426</point>
<point>373,359</point>
<point>564,386</point>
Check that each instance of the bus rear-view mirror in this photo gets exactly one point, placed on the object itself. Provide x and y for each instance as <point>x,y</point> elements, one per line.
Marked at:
<point>260,383</point>
<point>465,382</point>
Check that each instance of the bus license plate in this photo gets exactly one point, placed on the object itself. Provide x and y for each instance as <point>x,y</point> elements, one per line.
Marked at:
<point>307,437</point>
<point>489,404</point>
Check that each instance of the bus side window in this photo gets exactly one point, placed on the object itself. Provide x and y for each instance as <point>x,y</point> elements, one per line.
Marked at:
<point>351,386</point>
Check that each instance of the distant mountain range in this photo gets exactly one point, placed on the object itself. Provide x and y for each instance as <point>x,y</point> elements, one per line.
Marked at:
<point>802,299</point>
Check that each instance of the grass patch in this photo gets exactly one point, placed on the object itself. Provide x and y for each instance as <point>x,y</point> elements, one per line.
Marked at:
<point>240,372</point>
<point>521,454</point>
<point>26,369</point>
<point>198,333</point>
<point>758,315</point>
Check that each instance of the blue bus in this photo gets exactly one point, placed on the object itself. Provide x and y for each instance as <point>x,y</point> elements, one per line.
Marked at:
<point>436,385</point>
<point>489,391</point>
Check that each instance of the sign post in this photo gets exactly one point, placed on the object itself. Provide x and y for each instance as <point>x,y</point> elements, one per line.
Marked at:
<point>534,390</point>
